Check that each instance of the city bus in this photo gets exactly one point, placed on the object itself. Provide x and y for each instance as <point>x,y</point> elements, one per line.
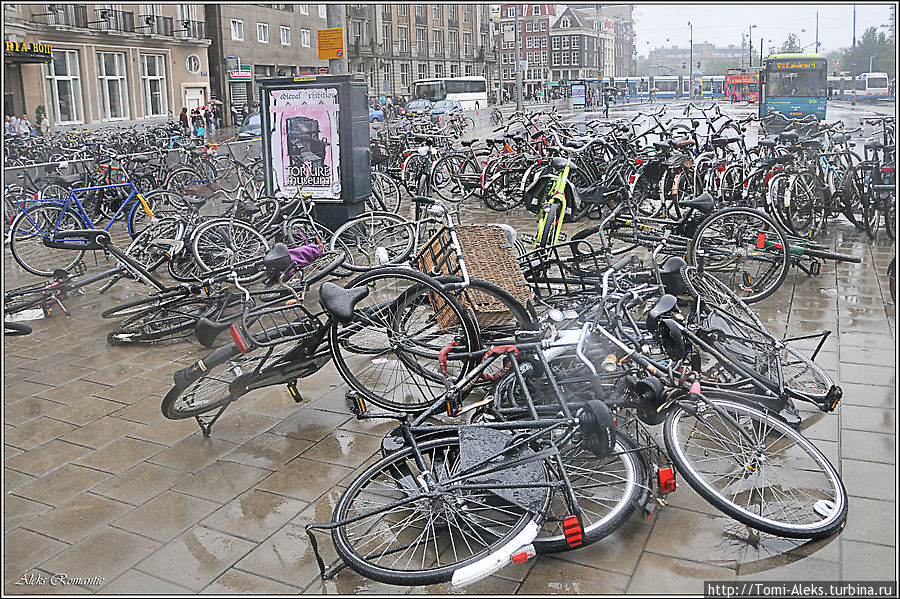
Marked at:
<point>871,86</point>
<point>470,92</point>
<point>793,85</point>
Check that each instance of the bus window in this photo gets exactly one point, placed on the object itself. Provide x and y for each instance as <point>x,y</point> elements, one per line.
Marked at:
<point>432,90</point>
<point>810,84</point>
<point>466,87</point>
<point>879,82</point>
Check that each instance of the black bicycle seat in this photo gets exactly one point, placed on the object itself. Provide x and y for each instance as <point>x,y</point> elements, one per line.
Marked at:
<point>277,259</point>
<point>811,143</point>
<point>207,331</point>
<point>766,143</point>
<point>140,159</point>
<point>467,142</point>
<point>703,202</point>
<point>873,144</point>
<point>840,138</point>
<point>66,180</point>
<point>662,147</point>
<point>340,302</point>
<point>789,136</point>
<point>558,162</point>
<point>721,142</point>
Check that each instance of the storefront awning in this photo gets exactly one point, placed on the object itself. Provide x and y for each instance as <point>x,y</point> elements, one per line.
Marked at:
<point>23,52</point>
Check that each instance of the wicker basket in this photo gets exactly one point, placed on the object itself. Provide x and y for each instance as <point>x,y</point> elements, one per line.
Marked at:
<point>488,256</point>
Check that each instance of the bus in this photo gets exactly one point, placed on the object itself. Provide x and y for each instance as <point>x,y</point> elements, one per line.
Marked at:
<point>740,86</point>
<point>793,85</point>
<point>872,86</point>
<point>470,92</point>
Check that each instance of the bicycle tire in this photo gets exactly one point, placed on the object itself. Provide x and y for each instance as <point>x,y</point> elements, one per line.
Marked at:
<point>475,506</point>
<point>172,320</point>
<point>15,329</point>
<point>223,242</point>
<point>389,351</point>
<point>726,228</point>
<point>34,224</point>
<point>374,239</point>
<point>144,303</point>
<point>750,473</point>
<point>141,248</point>
<point>222,367</point>
<point>549,231</point>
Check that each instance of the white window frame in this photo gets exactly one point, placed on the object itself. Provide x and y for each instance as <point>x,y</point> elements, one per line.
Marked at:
<point>528,27</point>
<point>537,9</point>
<point>146,79</point>
<point>121,78</point>
<point>303,9</point>
<point>323,11</point>
<point>575,43</point>
<point>237,27</point>
<point>565,43</point>
<point>555,43</point>
<point>262,33</point>
<point>284,37</point>
<point>73,76</point>
<point>305,38</point>
<point>188,62</point>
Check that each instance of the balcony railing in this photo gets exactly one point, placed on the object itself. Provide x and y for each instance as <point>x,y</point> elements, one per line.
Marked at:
<point>386,16</point>
<point>193,29</point>
<point>485,26</point>
<point>358,12</point>
<point>155,25</point>
<point>453,23</point>
<point>67,15</point>
<point>108,19</point>
<point>420,20</point>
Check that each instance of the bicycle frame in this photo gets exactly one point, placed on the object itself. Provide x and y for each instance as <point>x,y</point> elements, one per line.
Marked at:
<point>557,193</point>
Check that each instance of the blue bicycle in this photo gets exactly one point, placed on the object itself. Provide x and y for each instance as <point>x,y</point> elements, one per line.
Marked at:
<point>41,220</point>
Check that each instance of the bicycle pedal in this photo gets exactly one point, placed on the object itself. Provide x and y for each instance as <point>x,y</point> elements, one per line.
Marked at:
<point>573,530</point>
<point>355,403</point>
<point>295,394</point>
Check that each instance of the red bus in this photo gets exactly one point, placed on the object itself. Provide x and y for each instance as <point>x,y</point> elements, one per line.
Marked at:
<point>741,86</point>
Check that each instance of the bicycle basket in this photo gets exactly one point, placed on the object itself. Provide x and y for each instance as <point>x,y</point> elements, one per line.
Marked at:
<point>380,152</point>
<point>564,271</point>
<point>279,321</point>
<point>490,257</point>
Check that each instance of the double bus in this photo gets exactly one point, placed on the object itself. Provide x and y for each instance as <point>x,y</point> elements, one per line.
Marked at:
<point>470,92</point>
<point>740,86</point>
<point>793,85</point>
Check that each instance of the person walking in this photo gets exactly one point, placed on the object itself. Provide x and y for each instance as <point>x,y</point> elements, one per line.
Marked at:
<point>208,118</point>
<point>10,126</point>
<point>217,116</point>
<point>44,124</point>
<point>183,120</point>
<point>606,105</point>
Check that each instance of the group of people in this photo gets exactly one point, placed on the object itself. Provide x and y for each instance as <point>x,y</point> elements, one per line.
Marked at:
<point>22,127</point>
<point>201,121</point>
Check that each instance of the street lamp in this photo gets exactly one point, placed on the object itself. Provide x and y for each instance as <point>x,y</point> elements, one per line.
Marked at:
<point>691,61</point>
<point>750,45</point>
<point>870,62</point>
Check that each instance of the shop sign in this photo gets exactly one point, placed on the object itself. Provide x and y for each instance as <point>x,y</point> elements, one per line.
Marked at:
<point>25,52</point>
<point>245,73</point>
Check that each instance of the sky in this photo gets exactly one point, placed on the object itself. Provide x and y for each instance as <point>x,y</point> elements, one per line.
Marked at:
<point>723,23</point>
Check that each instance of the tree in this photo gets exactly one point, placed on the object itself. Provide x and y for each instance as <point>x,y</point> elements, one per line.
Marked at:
<point>791,44</point>
<point>872,43</point>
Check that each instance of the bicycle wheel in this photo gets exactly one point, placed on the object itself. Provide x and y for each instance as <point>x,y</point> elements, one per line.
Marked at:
<point>871,218</point>
<point>182,179</point>
<point>34,224</point>
<point>550,223</point>
<point>14,329</point>
<point>424,538</point>
<point>374,239</point>
<point>607,491</point>
<point>172,320</point>
<point>448,175</point>
<point>804,206</point>
<point>388,192</point>
<point>389,351</point>
<point>743,248</point>
<point>223,242</point>
<point>779,483</point>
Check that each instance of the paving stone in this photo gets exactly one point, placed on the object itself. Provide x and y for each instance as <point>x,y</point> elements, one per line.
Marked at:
<point>240,427</point>
<point>657,574</point>
<point>134,582</point>
<point>22,551</point>
<point>22,389</point>
<point>59,375</point>
<point>27,409</point>
<point>869,479</point>
<point>120,455</point>
<point>71,392</point>
<point>62,484</point>
<point>196,558</point>
<point>550,576</point>
<point>269,450</point>
<point>166,516</point>
<point>861,418</point>
<point>194,453</point>
<point>304,479</point>
<point>344,448</point>
<point>486,587</point>
<point>255,515</point>
<point>221,482</point>
<point>101,432</point>
<point>17,510</point>
<point>106,553</point>
<point>75,519</point>
<point>285,557</point>
<point>871,521</point>
<point>870,447</point>
<point>236,581</point>
<point>36,432</point>
<point>44,458</point>
<point>12,479</point>
<point>310,424</point>
<point>140,484</point>
<point>865,561</point>
<point>133,390</point>
<point>86,411</point>
<point>868,395</point>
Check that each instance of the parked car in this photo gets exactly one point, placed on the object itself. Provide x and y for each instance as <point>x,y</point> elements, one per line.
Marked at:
<point>376,115</point>
<point>415,108</point>
<point>445,107</point>
<point>252,127</point>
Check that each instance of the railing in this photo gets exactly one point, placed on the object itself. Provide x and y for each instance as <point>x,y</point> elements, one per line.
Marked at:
<point>155,25</point>
<point>386,16</point>
<point>485,26</point>
<point>68,15</point>
<point>420,20</point>
<point>109,19</point>
<point>358,12</point>
<point>195,29</point>
<point>453,23</point>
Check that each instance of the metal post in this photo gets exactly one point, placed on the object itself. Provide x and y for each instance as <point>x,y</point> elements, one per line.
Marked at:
<point>518,70</point>
<point>854,27</point>
<point>691,62</point>
<point>334,17</point>
<point>817,32</point>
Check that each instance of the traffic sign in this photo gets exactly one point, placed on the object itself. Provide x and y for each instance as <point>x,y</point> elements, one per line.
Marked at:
<point>331,43</point>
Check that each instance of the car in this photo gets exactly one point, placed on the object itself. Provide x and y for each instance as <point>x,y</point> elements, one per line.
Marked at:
<point>376,115</point>
<point>445,107</point>
<point>252,127</point>
<point>416,108</point>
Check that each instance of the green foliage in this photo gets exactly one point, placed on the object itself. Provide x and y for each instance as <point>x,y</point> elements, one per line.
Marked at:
<point>38,112</point>
<point>872,43</point>
<point>791,44</point>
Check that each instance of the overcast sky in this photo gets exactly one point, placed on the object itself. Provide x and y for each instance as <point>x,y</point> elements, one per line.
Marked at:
<point>722,23</point>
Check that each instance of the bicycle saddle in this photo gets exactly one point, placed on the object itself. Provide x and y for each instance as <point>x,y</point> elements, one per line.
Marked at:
<point>140,159</point>
<point>207,331</point>
<point>558,162</point>
<point>873,144</point>
<point>340,302</point>
<point>840,138</point>
<point>670,272</point>
<point>467,142</point>
<point>683,143</point>
<point>277,259</point>
<point>811,143</point>
<point>703,202</point>
<point>766,143</point>
<point>662,147</point>
<point>665,304</point>
<point>721,142</point>
<point>65,180</point>
<point>789,136</point>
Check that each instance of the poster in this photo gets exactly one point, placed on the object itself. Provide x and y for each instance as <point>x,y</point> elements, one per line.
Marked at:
<point>578,91</point>
<point>304,141</point>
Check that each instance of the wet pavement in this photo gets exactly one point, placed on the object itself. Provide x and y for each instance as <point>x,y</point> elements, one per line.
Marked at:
<point>98,484</point>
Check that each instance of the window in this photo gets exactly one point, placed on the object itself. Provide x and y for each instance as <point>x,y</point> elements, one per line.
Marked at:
<point>356,29</point>
<point>528,27</point>
<point>506,73</point>
<point>113,87</point>
<point>565,58</point>
<point>469,70</point>
<point>504,59</point>
<point>454,70</point>
<point>304,9</point>
<point>537,9</point>
<point>436,12</point>
<point>565,23</point>
<point>544,42</point>
<point>153,83</point>
<point>64,87</point>
<point>544,57</point>
<point>574,41</point>
<point>438,37</point>
<point>467,43</point>
<point>285,36</point>
<point>304,38</point>
<point>453,42</point>
<point>565,43</point>
<point>528,42</point>
<point>556,43</point>
<point>262,33</point>
<point>323,11</point>
<point>544,26</point>
<point>401,10</point>
<point>192,63</point>
<point>404,74</point>
<point>423,70</point>
<point>467,13</point>
<point>451,12</point>
<point>402,37</point>
<point>386,36</point>
<point>237,30</point>
<point>420,40</point>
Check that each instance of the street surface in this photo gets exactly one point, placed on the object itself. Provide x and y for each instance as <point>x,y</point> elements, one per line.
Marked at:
<point>98,484</point>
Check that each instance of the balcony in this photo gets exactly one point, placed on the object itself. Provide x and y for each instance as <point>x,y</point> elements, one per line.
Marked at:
<point>155,25</point>
<point>193,29</point>
<point>485,26</point>
<point>66,15</point>
<point>420,20</point>
<point>453,23</point>
<point>358,11</point>
<point>108,19</point>
<point>386,16</point>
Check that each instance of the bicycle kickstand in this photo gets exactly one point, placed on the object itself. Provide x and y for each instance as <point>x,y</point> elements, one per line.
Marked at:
<point>206,425</point>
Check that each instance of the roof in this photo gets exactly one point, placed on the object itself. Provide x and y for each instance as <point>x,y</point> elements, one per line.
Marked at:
<point>792,55</point>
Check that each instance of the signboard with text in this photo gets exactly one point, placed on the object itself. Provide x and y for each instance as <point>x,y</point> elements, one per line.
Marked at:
<point>245,73</point>
<point>331,43</point>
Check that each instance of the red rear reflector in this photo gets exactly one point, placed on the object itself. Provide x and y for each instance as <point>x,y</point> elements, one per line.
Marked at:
<point>572,529</point>
<point>760,241</point>
<point>238,339</point>
<point>887,169</point>
<point>524,555</point>
<point>631,179</point>
<point>721,169</point>
<point>666,478</point>
<point>638,161</point>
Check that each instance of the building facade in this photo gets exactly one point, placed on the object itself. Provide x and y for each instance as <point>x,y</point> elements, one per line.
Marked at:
<point>102,63</point>
<point>675,60</point>
<point>574,47</point>
<point>535,21</point>
<point>396,44</point>
<point>252,41</point>
<point>625,53</point>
